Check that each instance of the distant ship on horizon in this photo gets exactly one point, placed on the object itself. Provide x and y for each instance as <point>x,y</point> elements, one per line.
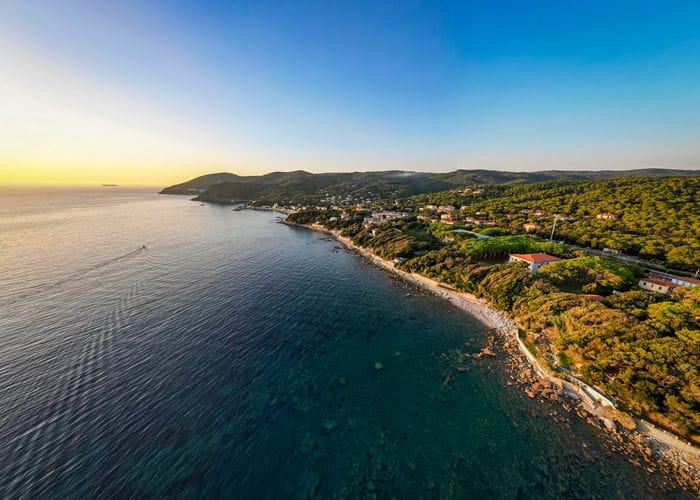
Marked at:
<point>110,185</point>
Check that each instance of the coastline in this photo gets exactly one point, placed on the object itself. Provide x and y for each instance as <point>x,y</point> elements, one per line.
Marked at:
<point>639,439</point>
<point>266,209</point>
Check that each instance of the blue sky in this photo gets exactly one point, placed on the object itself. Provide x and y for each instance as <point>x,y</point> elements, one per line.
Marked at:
<point>158,90</point>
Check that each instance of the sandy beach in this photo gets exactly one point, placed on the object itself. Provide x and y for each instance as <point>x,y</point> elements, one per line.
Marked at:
<point>658,448</point>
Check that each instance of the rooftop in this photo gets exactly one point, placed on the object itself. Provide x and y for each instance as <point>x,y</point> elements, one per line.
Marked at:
<point>659,281</point>
<point>535,258</point>
<point>687,280</point>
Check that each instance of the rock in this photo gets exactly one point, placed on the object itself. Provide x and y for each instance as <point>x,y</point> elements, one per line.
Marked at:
<point>304,405</point>
<point>370,486</point>
<point>378,366</point>
<point>307,443</point>
<point>573,396</point>
<point>308,482</point>
<point>609,424</point>
<point>330,424</point>
<point>486,351</point>
<point>342,381</point>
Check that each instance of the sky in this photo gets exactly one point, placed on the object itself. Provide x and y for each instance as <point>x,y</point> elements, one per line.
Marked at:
<point>157,93</point>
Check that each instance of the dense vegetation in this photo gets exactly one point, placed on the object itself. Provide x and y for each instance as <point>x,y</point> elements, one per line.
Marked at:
<point>658,218</point>
<point>590,274</point>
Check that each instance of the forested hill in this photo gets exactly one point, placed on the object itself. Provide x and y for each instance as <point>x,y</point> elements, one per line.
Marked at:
<point>654,217</point>
<point>199,184</point>
<point>300,186</point>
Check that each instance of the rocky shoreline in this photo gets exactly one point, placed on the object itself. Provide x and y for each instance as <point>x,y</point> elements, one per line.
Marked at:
<point>645,446</point>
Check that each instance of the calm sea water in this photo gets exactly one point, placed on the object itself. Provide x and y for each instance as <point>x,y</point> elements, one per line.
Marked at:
<point>154,347</point>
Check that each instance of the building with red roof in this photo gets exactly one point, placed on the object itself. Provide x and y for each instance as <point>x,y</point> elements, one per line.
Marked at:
<point>534,260</point>
<point>665,283</point>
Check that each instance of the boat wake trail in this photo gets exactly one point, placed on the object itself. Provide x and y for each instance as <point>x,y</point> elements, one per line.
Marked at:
<point>76,398</point>
<point>44,288</point>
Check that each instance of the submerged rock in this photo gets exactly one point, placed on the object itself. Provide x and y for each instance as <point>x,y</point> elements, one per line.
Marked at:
<point>307,443</point>
<point>330,424</point>
<point>378,366</point>
<point>308,482</point>
<point>486,351</point>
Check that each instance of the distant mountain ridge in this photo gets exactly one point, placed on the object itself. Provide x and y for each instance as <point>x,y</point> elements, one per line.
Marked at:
<point>224,187</point>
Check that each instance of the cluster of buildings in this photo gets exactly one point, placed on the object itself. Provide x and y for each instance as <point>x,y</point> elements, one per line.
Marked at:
<point>449,214</point>
<point>379,217</point>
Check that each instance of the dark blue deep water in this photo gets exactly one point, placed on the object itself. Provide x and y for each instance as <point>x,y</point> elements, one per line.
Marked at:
<point>235,357</point>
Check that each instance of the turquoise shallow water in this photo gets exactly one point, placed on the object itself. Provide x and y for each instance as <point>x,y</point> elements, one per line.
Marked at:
<point>235,357</point>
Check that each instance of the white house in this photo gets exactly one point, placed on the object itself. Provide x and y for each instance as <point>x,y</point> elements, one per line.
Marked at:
<point>534,260</point>
<point>665,283</point>
<point>657,284</point>
<point>681,281</point>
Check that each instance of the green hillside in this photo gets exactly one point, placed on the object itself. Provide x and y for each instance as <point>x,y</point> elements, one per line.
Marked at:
<point>657,218</point>
<point>304,187</point>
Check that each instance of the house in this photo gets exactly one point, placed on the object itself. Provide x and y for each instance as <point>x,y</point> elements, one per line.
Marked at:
<point>607,216</point>
<point>665,283</point>
<point>681,281</point>
<point>657,284</point>
<point>534,260</point>
<point>530,227</point>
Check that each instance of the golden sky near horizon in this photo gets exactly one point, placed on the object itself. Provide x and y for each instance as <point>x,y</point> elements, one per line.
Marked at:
<point>61,126</point>
<point>113,92</point>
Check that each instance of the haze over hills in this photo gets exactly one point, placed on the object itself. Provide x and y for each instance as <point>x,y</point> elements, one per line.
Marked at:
<point>226,187</point>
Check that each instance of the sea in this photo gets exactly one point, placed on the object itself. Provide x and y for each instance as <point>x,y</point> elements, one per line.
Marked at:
<point>155,347</point>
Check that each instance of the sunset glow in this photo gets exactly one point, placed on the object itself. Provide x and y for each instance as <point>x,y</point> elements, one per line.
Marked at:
<point>128,93</point>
